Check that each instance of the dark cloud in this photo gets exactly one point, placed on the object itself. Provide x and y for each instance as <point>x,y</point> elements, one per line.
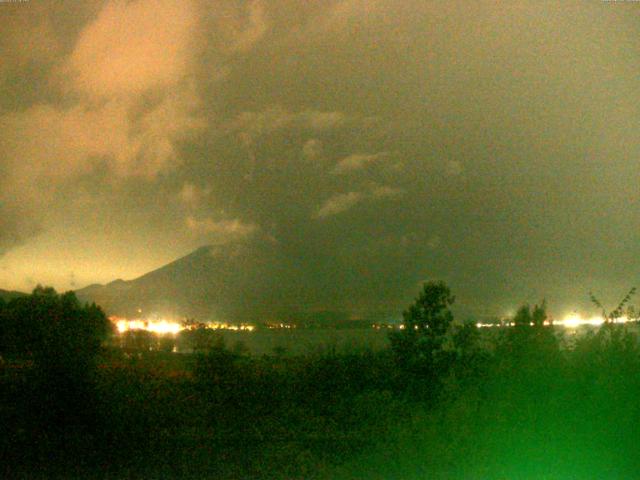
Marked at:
<point>372,144</point>
<point>16,226</point>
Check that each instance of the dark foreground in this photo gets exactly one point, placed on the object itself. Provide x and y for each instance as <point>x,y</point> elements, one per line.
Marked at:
<point>504,413</point>
<point>443,401</point>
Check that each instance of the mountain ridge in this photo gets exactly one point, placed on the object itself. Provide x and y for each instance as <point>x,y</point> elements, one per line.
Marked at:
<point>245,282</point>
<point>211,282</point>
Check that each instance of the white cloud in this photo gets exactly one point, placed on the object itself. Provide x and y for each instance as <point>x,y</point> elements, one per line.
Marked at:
<point>320,120</point>
<point>122,54</point>
<point>131,72</point>
<point>339,203</point>
<point>357,161</point>
<point>130,99</point>
<point>133,47</point>
<point>344,201</point>
<point>221,231</point>
<point>46,142</point>
<point>154,136</point>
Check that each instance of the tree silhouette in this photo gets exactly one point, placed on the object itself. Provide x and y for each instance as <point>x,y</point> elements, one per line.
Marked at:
<point>613,345</point>
<point>61,340</point>
<point>531,343</point>
<point>617,312</point>
<point>197,338</point>
<point>54,330</point>
<point>419,346</point>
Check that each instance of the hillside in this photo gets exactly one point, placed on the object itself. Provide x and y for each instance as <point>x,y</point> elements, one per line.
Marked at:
<point>211,283</point>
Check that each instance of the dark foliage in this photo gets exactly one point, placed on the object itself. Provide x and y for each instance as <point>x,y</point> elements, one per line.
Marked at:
<point>420,347</point>
<point>53,330</point>
<point>447,401</point>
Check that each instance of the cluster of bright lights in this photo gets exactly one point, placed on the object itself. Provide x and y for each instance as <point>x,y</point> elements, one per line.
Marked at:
<point>280,326</point>
<point>506,324</point>
<point>230,326</point>
<point>572,321</point>
<point>161,327</point>
<point>379,326</point>
<point>165,327</point>
<point>403,326</point>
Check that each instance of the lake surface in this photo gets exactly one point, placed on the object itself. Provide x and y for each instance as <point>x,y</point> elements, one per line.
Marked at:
<point>302,341</point>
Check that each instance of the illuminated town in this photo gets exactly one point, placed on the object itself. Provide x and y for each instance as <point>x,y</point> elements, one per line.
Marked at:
<point>161,326</point>
<point>164,327</point>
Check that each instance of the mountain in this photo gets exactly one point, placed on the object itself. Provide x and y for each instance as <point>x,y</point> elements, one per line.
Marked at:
<point>254,281</point>
<point>211,283</point>
<point>7,295</point>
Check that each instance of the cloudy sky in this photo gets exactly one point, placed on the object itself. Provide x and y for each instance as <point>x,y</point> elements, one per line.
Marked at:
<point>373,144</point>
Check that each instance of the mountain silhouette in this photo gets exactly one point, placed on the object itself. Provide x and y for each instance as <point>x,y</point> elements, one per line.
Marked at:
<point>212,283</point>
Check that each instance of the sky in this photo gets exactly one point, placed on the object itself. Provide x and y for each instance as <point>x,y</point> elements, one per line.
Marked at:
<point>372,144</point>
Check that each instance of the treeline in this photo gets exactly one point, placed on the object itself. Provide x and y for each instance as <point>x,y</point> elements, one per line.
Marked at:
<point>444,401</point>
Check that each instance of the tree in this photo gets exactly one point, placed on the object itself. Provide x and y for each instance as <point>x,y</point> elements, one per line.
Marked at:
<point>539,314</point>
<point>62,338</point>
<point>531,343</point>
<point>197,338</point>
<point>4,331</point>
<point>522,317</point>
<point>54,330</point>
<point>419,346</point>
<point>617,312</point>
<point>613,344</point>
